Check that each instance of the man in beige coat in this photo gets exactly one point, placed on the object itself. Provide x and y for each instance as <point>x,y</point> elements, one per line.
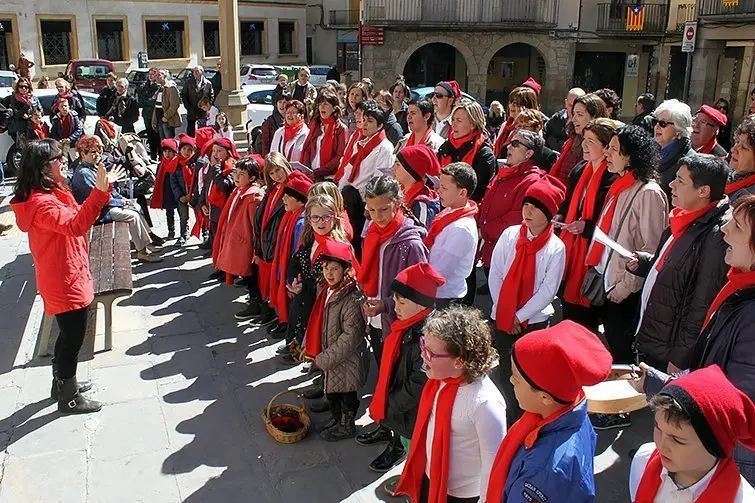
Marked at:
<point>165,118</point>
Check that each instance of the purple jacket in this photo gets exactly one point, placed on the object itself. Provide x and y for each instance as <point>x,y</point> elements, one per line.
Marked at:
<point>404,249</point>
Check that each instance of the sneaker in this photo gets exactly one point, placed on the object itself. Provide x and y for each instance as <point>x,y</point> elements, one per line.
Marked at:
<point>182,240</point>
<point>216,275</point>
<point>610,421</point>
<point>156,240</point>
<point>146,256</point>
<point>283,350</point>
<point>171,235</point>
<point>240,282</point>
<point>248,313</point>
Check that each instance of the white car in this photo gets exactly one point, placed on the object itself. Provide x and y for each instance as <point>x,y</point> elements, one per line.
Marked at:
<point>6,78</point>
<point>318,74</point>
<point>258,74</point>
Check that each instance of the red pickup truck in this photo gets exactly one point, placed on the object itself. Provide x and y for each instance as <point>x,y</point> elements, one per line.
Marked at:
<point>88,74</point>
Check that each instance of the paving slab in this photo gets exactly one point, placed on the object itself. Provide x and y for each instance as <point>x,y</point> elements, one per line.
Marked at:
<point>128,428</point>
<point>57,477</point>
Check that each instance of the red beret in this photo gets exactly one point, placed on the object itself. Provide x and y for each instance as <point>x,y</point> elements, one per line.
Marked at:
<point>715,115</point>
<point>184,139</point>
<point>260,160</point>
<point>560,360</point>
<point>452,87</point>
<point>203,136</point>
<point>547,194</point>
<point>419,161</point>
<point>337,250</point>
<point>169,144</point>
<point>533,84</point>
<point>418,283</point>
<point>297,185</point>
<point>728,415</point>
<point>227,144</point>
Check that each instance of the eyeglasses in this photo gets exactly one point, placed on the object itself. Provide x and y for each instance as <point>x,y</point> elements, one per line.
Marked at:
<point>430,355</point>
<point>439,95</point>
<point>517,143</point>
<point>316,219</point>
<point>701,122</point>
<point>722,108</point>
<point>662,124</point>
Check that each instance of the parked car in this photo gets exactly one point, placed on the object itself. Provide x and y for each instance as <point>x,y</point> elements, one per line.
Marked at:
<point>423,92</point>
<point>6,78</point>
<point>88,75</point>
<point>318,74</point>
<point>137,77</point>
<point>260,107</point>
<point>258,74</point>
<point>211,74</point>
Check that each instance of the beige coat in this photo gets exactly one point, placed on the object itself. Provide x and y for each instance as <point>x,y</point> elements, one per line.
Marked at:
<point>171,102</point>
<point>640,231</point>
<point>344,358</point>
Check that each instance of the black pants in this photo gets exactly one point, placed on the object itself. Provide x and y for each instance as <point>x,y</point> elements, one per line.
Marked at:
<point>142,202</point>
<point>183,219</point>
<point>425,493</point>
<point>620,324</point>
<point>354,206</point>
<point>376,341</point>
<point>153,137</point>
<point>211,235</point>
<point>251,284</point>
<point>191,123</point>
<point>346,401</point>
<point>588,317</point>
<point>73,327</point>
<point>504,342</point>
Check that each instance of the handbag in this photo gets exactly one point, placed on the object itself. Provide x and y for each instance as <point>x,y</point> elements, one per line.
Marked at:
<point>593,285</point>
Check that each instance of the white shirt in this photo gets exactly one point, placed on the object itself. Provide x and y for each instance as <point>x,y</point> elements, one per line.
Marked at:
<point>316,159</point>
<point>292,149</point>
<point>378,162</point>
<point>550,261</point>
<point>478,425</point>
<point>439,125</point>
<point>212,115</point>
<point>669,492</point>
<point>224,134</point>
<point>434,141</point>
<point>647,288</point>
<point>453,255</point>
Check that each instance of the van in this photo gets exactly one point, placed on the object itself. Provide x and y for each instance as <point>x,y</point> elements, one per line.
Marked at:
<point>88,74</point>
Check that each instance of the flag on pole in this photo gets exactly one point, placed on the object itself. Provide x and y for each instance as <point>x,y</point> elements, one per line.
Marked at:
<point>729,3</point>
<point>636,17</point>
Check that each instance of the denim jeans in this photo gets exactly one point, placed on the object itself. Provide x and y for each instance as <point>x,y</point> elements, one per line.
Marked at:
<point>2,178</point>
<point>166,131</point>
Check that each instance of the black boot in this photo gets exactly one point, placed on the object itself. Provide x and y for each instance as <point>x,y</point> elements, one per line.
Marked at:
<point>216,275</point>
<point>71,402</point>
<point>345,428</point>
<point>278,331</point>
<point>83,386</point>
<point>252,309</point>
<point>379,434</point>
<point>319,406</point>
<point>392,455</point>
<point>156,240</point>
<point>335,419</point>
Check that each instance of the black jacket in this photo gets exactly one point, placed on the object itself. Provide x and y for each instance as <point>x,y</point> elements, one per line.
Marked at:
<point>406,384</point>
<point>643,120</point>
<point>393,130</point>
<point>484,164</point>
<point>545,159</point>
<point>192,93</point>
<point>692,274</point>
<point>554,131</point>
<point>605,184</point>
<point>105,100</point>
<point>671,163</point>
<point>129,114</point>
<point>265,239</point>
<point>301,306</point>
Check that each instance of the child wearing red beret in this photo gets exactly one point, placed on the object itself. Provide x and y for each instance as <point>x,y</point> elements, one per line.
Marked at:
<point>699,419</point>
<point>548,454</point>
<point>181,181</point>
<point>163,195</point>
<point>414,169</point>
<point>218,184</point>
<point>200,165</point>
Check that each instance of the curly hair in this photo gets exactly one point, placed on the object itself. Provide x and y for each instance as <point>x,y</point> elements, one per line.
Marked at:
<point>747,128</point>
<point>87,143</point>
<point>467,335</point>
<point>643,151</point>
<point>611,99</point>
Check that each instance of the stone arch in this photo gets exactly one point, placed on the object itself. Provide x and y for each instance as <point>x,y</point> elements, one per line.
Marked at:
<point>463,48</point>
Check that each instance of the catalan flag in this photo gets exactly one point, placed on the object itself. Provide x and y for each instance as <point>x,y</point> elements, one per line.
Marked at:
<point>729,3</point>
<point>636,18</point>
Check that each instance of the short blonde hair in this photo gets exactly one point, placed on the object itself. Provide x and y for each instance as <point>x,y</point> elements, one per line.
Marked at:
<point>473,110</point>
<point>63,81</point>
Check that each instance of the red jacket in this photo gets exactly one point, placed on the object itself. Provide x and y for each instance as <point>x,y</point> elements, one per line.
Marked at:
<point>329,168</point>
<point>233,248</point>
<point>57,228</point>
<point>501,207</point>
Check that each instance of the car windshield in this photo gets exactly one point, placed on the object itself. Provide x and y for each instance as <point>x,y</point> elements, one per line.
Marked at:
<point>137,76</point>
<point>46,102</point>
<point>92,72</point>
<point>320,71</point>
<point>90,104</point>
<point>183,74</point>
<point>263,71</point>
<point>261,97</point>
<point>5,81</point>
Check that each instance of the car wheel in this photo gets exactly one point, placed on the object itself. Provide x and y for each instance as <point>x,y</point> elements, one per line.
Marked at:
<point>12,161</point>
<point>143,137</point>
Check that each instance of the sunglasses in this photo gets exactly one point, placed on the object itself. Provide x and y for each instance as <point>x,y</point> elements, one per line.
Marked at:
<point>439,95</point>
<point>316,219</point>
<point>721,108</point>
<point>517,144</point>
<point>24,86</point>
<point>430,355</point>
<point>663,124</point>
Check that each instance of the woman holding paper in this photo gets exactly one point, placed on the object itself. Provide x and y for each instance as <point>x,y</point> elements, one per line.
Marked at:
<point>634,215</point>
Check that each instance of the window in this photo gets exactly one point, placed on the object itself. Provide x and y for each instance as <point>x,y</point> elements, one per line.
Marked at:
<point>165,39</point>
<point>286,37</point>
<point>6,42</point>
<point>250,33</point>
<point>110,39</point>
<point>56,41</point>
<point>261,97</point>
<point>211,39</point>
<point>348,56</point>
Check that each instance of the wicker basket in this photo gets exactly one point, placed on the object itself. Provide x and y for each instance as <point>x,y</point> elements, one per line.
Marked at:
<point>286,423</point>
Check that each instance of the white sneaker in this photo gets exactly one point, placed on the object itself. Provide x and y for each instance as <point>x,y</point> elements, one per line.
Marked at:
<point>146,256</point>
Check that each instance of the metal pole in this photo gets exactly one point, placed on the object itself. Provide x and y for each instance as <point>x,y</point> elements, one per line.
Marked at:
<point>687,76</point>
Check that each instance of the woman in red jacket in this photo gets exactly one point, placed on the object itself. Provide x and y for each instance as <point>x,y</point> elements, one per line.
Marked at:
<point>326,141</point>
<point>57,228</point>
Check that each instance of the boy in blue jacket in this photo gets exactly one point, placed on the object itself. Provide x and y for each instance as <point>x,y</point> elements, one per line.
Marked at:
<point>548,454</point>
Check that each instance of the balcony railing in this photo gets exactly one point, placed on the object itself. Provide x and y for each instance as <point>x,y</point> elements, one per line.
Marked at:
<point>612,18</point>
<point>344,17</point>
<point>715,8</point>
<point>684,13</point>
<point>493,13</point>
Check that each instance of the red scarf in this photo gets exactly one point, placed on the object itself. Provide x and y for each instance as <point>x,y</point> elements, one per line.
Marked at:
<point>519,285</point>
<point>348,154</point>
<point>313,334</point>
<point>23,98</point>
<point>523,432</point>
<point>445,218</point>
<point>411,140</point>
<point>576,245</point>
<point>41,130</point>
<point>376,236</point>
<point>165,168</point>
<point>289,133</point>
<point>273,198</point>
<point>278,291</point>
<point>215,196</point>
<point>362,152</point>
<point>708,147</point>
<point>680,220</point>
<point>503,137</point>
<point>108,127</point>
<point>475,136</point>
<point>747,181</point>
<point>320,240</point>
<point>183,163</point>
<point>391,347</point>
<point>723,486</point>
<point>738,280</point>
<point>66,126</point>
<point>419,192</point>
<point>328,139</point>
<point>617,187</point>
<point>410,483</point>
<point>558,168</point>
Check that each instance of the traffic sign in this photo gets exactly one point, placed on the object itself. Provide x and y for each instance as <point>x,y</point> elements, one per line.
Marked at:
<point>690,34</point>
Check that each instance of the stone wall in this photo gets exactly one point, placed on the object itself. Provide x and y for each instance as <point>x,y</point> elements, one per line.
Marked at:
<point>383,63</point>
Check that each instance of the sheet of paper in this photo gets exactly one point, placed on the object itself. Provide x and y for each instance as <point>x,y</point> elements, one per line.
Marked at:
<point>301,167</point>
<point>601,237</point>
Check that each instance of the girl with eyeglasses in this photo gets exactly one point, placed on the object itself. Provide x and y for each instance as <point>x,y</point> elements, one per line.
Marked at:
<point>672,127</point>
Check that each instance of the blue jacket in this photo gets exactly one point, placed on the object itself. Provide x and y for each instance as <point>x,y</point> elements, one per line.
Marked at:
<point>559,466</point>
<point>83,181</point>
<point>425,211</point>
<point>177,183</point>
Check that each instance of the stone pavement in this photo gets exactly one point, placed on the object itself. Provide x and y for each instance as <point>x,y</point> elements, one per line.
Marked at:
<point>184,389</point>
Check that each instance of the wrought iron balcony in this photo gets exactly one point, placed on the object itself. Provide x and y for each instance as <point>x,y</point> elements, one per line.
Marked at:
<point>720,11</point>
<point>612,18</point>
<point>684,13</point>
<point>480,13</point>
<point>348,18</point>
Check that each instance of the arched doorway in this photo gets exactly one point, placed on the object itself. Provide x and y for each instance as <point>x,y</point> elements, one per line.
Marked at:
<point>433,63</point>
<point>510,66</point>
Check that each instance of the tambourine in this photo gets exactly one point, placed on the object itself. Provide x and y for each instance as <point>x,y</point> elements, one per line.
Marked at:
<point>616,394</point>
